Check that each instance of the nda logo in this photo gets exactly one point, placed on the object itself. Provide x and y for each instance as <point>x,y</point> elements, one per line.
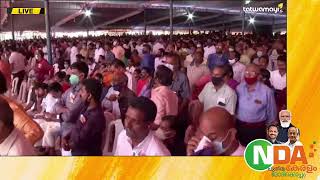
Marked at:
<point>260,155</point>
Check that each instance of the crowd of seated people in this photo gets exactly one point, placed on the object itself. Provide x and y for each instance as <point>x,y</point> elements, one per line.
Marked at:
<point>205,94</point>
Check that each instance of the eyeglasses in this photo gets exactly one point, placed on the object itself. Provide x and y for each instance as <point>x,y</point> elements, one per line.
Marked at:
<point>250,73</point>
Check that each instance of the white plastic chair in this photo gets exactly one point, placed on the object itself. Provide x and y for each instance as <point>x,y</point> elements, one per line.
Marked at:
<point>14,90</point>
<point>117,124</point>
<point>29,94</point>
<point>22,97</point>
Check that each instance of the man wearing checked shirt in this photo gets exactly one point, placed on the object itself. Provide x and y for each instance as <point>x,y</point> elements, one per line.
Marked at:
<point>256,106</point>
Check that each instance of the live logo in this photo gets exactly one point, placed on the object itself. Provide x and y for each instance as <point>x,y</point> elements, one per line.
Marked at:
<point>25,11</point>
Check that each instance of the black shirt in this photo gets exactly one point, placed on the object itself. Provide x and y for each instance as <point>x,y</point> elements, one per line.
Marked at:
<point>86,138</point>
<point>283,133</point>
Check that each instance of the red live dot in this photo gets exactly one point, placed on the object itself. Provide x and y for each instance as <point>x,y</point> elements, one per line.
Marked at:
<point>311,146</point>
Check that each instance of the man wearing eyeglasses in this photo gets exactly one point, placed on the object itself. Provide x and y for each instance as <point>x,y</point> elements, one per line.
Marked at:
<point>256,106</point>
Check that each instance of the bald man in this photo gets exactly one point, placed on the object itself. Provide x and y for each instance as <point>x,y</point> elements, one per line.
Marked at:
<point>293,134</point>
<point>216,135</point>
<point>256,106</point>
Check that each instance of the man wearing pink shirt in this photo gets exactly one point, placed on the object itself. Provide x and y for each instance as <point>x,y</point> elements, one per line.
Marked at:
<point>165,99</point>
<point>216,135</point>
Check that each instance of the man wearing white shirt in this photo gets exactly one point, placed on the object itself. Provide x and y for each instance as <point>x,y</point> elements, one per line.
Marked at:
<point>209,49</point>
<point>278,78</point>
<point>137,139</point>
<point>12,141</point>
<point>237,67</point>
<point>18,65</point>
<point>293,134</point>
<point>139,47</point>
<point>73,53</point>
<point>99,51</point>
<point>157,46</point>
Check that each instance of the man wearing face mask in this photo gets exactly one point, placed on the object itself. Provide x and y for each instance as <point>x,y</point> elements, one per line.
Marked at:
<point>118,90</point>
<point>137,139</point>
<point>285,124</point>
<point>216,135</point>
<point>180,84</point>
<point>256,106</point>
<point>99,51</point>
<point>259,54</point>
<point>71,98</point>
<point>217,93</point>
<point>237,67</point>
<point>85,138</point>
<point>169,132</point>
<point>218,58</point>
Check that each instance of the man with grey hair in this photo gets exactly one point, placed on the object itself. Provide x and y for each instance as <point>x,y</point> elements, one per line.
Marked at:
<point>256,106</point>
<point>285,124</point>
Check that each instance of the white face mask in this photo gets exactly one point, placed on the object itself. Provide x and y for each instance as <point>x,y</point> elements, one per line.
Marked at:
<point>36,56</point>
<point>232,61</point>
<point>259,53</point>
<point>285,124</point>
<point>216,145</point>
<point>163,135</point>
<point>170,66</point>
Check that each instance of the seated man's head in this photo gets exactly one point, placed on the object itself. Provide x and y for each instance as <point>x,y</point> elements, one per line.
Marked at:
<point>55,89</point>
<point>79,72</point>
<point>137,74</point>
<point>40,89</point>
<point>168,128</point>
<point>263,62</point>
<point>272,132</point>
<point>91,91</point>
<point>118,66</point>
<point>6,120</point>
<point>146,73</point>
<point>293,133</point>
<point>285,118</point>
<point>60,76</point>
<point>119,81</point>
<point>139,116</point>
<point>99,77</point>
<point>218,126</point>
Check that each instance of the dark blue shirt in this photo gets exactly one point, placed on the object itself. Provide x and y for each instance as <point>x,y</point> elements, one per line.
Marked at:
<point>217,60</point>
<point>86,138</point>
<point>148,61</point>
<point>283,133</point>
